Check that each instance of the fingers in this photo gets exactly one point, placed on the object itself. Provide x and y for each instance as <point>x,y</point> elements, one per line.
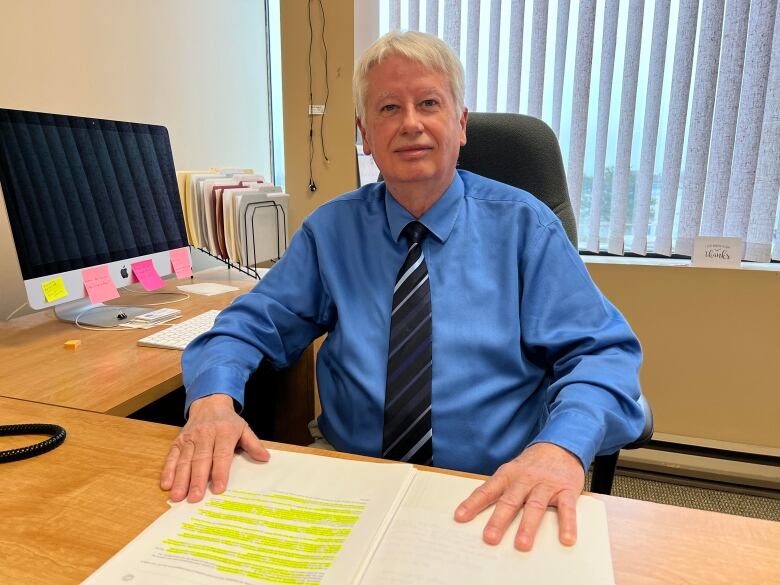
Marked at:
<point>543,475</point>
<point>169,469</point>
<point>224,448</point>
<point>480,498</point>
<point>181,478</point>
<point>204,449</point>
<point>252,445</point>
<point>533,511</point>
<point>567,517</point>
<point>220,463</point>
<point>534,505</point>
<point>201,463</point>
<point>507,508</point>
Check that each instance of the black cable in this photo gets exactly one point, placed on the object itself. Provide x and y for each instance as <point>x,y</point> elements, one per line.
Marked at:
<point>327,86</point>
<point>312,184</point>
<point>56,432</point>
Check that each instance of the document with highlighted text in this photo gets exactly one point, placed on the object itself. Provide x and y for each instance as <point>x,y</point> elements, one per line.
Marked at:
<point>309,519</point>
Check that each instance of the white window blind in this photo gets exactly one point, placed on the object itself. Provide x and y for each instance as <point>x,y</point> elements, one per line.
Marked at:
<point>581,99</point>
<point>667,112</point>
<point>725,118</point>
<point>609,37</point>
<point>644,182</point>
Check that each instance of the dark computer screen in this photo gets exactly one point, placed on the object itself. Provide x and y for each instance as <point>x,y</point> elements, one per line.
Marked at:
<point>82,192</point>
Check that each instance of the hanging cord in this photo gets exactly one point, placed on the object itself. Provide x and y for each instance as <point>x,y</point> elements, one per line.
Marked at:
<point>312,184</point>
<point>96,328</point>
<point>327,87</point>
<point>15,311</point>
<point>184,296</point>
<point>77,320</point>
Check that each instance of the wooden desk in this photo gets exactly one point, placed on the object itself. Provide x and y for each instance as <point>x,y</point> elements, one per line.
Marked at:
<point>66,512</point>
<point>109,373</point>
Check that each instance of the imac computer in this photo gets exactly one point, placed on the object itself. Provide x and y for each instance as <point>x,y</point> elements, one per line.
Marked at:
<point>83,192</point>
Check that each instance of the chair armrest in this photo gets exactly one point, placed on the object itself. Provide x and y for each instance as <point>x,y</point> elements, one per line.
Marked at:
<point>647,431</point>
<point>604,465</point>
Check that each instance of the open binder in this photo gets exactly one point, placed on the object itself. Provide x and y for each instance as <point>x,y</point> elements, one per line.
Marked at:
<point>313,519</point>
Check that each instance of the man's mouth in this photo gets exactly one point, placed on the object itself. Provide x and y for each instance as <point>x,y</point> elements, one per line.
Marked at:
<point>412,150</point>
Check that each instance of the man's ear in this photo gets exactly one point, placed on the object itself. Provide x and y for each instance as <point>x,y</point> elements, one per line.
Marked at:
<point>464,118</point>
<point>366,145</point>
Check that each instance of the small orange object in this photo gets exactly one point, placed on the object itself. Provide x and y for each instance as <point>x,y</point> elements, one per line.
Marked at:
<point>72,344</point>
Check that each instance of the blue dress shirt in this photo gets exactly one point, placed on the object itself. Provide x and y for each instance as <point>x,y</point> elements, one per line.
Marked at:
<point>525,347</point>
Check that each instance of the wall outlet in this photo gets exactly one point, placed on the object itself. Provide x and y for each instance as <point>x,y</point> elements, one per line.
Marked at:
<point>316,109</point>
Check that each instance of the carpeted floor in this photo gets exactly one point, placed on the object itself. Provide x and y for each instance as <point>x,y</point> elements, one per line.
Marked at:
<point>715,500</point>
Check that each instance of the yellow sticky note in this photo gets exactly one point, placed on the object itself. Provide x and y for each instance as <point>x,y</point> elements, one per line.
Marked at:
<point>54,289</point>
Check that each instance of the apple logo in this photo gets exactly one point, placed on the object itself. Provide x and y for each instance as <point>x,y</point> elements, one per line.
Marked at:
<point>123,272</point>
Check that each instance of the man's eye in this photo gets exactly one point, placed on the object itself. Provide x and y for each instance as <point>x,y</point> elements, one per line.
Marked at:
<point>430,103</point>
<point>389,107</point>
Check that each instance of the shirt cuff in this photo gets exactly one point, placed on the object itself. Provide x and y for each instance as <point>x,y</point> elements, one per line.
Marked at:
<point>577,433</point>
<point>216,380</point>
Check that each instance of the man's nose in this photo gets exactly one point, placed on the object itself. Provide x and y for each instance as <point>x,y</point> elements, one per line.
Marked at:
<point>411,121</point>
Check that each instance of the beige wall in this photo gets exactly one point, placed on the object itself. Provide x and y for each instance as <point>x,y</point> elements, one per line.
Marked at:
<point>339,174</point>
<point>710,339</point>
<point>195,66</point>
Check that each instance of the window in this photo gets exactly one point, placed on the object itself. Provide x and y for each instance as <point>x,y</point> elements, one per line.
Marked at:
<point>274,48</point>
<point>667,112</point>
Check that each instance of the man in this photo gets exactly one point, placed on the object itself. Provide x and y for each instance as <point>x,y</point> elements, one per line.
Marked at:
<point>515,365</point>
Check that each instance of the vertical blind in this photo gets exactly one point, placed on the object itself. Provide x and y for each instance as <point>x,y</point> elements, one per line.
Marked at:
<point>668,112</point>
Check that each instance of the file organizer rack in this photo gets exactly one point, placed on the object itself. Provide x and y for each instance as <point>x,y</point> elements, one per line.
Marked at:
<point>248,219</point>
<point>257,206</point>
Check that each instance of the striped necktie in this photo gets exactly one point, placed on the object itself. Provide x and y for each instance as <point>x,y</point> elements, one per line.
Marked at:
<point>407,432</point>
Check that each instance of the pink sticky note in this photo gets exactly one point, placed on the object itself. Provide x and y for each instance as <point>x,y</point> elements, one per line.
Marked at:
<point>98,283</point>
<point>180,260</point>
<point>146,273</point>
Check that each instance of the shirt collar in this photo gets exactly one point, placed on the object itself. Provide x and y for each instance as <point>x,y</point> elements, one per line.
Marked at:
<point>439,219</point>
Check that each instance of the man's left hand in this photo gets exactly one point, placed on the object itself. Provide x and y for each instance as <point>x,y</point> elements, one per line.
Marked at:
<point>543,475</point>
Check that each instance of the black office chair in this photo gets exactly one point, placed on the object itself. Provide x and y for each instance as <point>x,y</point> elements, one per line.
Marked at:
<point>523,151</point>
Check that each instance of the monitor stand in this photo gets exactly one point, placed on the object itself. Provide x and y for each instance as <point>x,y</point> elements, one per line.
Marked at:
<point>98,314</point>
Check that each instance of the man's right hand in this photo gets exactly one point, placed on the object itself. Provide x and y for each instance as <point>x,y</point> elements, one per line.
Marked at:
<point>205,447</point>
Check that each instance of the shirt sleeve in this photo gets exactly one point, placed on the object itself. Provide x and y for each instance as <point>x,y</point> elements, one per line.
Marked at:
<point>276,321</point>
<point>591,355</point>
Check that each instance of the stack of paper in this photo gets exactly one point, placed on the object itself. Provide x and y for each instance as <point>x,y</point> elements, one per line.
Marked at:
<point>152,319</point>
<point>234,214</point>
<point>208,289</point>
<point>158,316</point>
<point>310,519</point>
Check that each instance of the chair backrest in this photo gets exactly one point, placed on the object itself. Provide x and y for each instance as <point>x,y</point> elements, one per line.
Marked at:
<point>521,151</point>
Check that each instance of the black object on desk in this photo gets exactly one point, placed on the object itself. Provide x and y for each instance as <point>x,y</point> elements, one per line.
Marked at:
<point>56,432</point>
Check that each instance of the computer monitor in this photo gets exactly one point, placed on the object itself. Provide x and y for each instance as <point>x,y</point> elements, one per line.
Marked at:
<point>83,192</point>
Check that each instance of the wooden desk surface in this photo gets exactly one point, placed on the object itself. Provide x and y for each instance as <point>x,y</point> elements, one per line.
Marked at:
<point>109,373</point>
<point>64,513</point>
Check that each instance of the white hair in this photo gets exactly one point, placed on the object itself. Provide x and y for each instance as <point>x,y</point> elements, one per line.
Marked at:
<point>428,50</point>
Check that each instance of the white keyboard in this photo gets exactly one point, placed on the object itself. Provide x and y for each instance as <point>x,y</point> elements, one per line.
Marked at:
<point>179,335</point>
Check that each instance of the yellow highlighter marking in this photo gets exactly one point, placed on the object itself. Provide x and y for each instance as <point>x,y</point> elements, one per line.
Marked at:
<point>271,537</point>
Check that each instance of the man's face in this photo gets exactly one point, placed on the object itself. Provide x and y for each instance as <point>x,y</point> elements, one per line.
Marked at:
<point>411,126</point>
